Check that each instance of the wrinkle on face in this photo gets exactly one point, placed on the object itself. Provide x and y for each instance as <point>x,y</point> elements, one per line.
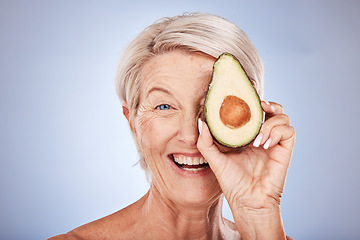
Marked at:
<point>179,80</point>
<point>161,86</point>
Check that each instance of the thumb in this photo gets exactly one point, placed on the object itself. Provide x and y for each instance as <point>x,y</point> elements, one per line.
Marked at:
<point>207,147</point>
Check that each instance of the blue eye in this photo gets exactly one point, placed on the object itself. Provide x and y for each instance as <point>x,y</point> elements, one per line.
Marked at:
<point>163,107</point>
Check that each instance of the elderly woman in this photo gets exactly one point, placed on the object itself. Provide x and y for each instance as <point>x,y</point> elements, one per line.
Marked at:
<point>162,81</point>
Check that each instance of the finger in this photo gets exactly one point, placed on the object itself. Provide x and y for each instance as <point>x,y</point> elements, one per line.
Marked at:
<point>268,125</point>
<point>282,135</point>
<point>271,109</point>
<point>207,147</point>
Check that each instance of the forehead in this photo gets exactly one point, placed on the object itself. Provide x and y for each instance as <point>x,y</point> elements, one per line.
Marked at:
<point>177,70</point>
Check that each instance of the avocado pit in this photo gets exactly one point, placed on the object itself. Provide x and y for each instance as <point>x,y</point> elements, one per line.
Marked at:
<point>234,112</point>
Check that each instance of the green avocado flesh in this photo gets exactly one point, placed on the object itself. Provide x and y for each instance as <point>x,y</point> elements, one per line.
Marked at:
<point>232,107</point>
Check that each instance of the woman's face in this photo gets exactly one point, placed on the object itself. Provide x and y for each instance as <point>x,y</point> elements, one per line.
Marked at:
<point>172,95</point>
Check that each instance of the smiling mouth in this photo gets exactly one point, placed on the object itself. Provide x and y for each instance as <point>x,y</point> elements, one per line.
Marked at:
<point>189,163</point>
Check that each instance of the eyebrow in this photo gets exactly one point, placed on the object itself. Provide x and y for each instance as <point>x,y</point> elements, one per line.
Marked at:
<point>154,89</point>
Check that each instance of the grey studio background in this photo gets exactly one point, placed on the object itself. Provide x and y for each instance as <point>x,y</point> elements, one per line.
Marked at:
<point>66,153</point>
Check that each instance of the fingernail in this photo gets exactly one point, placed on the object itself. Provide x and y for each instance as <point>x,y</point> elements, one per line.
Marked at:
<point>267,143</point>
<point>272,107</point>
<point>258,140</point>
<point>199,125</point>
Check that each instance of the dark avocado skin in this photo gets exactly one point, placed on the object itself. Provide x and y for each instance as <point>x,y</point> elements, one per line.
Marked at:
<point>224,147</point>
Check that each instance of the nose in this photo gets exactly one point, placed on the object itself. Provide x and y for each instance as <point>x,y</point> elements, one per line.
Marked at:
<point>188,130</point>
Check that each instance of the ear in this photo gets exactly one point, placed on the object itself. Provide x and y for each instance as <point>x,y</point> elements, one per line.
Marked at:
<point>125,110</point>
<point>126,113</point>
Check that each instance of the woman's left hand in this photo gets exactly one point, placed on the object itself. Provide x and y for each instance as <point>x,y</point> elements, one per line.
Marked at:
<point>252,178</point>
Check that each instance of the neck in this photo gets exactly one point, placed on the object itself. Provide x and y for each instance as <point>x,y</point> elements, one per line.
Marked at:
<point>178,221</point>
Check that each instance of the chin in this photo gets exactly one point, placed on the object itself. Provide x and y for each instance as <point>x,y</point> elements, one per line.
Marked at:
<point>191,180</point>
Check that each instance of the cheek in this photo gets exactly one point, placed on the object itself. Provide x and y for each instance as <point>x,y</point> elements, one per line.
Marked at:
<point>153,132</point>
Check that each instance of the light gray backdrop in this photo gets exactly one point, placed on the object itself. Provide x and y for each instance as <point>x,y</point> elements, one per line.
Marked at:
<point>66,153</point>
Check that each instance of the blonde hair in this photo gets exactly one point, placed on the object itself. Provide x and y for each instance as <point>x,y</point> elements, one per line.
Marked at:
<point>197,32</point>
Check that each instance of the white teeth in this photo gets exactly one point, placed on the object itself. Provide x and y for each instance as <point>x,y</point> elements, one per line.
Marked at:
<point>194,169</point>
<point>189,160</point>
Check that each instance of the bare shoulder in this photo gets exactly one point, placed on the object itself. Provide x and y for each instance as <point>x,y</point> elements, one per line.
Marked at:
<point>118,225</point>
<point>65,236</point>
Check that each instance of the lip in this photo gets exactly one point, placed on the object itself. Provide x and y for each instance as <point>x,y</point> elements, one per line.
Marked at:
<point>195,154</point>
<point>187,173</point>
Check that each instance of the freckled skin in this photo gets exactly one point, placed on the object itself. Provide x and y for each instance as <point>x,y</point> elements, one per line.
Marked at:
<point>180,80</point>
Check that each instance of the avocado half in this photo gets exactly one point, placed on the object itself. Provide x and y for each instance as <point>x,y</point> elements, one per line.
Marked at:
<point>232,106</point>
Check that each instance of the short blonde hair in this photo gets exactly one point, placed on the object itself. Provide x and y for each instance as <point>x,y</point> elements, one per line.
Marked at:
<point>196,32</point>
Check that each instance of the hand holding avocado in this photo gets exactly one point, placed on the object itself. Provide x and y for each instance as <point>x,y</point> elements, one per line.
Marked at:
<point>252,177</point>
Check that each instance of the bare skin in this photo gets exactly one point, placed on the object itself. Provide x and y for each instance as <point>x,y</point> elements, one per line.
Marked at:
<point>150,218</point>
<point>252,179</point>
<point>186,204</point>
